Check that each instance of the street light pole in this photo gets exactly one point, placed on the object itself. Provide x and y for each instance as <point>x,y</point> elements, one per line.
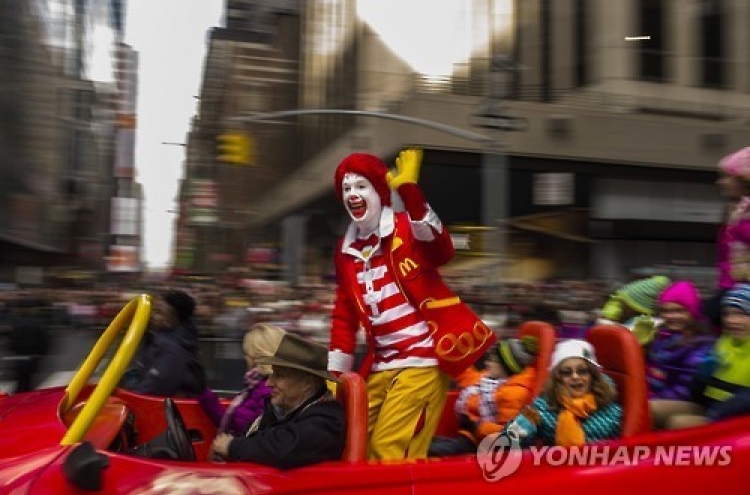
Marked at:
<point>493,115</point>
<point>456,131</point>
<point>495,192</point>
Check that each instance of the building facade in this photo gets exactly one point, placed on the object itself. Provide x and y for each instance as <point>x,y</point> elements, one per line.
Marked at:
<point>627,106</point>
<point>252,66</point>
<point>57,135</point>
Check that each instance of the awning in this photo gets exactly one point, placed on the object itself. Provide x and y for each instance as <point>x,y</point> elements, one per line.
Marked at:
<point>571,224</point>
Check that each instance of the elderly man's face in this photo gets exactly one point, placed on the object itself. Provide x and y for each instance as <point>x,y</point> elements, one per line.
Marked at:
<point>290,387</point>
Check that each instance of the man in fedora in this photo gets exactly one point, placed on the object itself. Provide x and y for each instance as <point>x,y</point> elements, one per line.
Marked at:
<point>302,424</point>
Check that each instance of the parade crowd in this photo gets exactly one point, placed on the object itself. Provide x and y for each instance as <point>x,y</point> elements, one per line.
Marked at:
<point>390,316</point>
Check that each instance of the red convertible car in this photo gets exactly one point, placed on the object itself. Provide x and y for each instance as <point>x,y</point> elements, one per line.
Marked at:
<point>74,440</point>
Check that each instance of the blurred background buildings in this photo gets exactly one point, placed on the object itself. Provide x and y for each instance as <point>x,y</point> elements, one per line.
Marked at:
<point>627,106</point>
<point>67,118</point>
<point>623,107</point>
<point>71,207</point>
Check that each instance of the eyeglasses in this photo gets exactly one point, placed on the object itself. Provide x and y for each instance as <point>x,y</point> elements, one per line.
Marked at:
<point>583,372</point>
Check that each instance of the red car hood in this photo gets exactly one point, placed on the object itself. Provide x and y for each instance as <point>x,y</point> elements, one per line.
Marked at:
<point>18,474</point>
<point>8,403</point>
<point>30,423</point>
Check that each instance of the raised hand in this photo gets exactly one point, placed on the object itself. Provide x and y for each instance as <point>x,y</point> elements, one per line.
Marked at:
<point>408,164</point>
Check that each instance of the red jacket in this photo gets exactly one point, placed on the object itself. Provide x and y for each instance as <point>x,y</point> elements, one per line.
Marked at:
<point>460,336</point>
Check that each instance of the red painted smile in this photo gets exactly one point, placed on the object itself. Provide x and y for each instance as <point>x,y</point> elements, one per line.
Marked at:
<point>358,207</point>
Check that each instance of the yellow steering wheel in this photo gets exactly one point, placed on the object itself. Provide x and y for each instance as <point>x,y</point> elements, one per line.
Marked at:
<point>137,312</point>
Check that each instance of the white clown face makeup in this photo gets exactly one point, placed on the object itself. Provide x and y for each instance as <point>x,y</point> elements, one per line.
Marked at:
<point>361,201</point>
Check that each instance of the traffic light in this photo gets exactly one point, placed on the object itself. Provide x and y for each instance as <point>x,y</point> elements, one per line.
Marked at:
<point>236,148</point>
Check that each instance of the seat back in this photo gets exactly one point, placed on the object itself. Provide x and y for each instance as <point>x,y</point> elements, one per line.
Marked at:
<point>545,334</point>
<point>351,392</point>
<point>621,357</point>
<point>546,337</point>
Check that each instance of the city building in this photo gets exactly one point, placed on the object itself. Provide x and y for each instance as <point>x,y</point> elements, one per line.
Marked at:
<point>251,66</point>
<point>58,120</point>
<point>623,109</point>
<point>126,224</point>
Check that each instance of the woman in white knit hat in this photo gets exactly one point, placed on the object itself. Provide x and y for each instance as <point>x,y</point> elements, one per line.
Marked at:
<point>578,402</point>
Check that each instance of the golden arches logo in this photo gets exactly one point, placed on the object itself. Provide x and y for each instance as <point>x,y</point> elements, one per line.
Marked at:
<point>455,347</point>
<point>406,266</point>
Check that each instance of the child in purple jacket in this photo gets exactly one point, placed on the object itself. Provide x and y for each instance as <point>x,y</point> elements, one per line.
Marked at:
<point>248,405</point>
<point>680,344</point>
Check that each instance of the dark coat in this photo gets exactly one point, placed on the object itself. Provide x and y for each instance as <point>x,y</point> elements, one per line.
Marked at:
<point>167,364</point>
<point>30,334</point>
<point>312,433</point>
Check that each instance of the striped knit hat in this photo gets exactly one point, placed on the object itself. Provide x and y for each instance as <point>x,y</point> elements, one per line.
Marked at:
<point>738,297</point>
<point>516,354</point>
<point>641,295</point>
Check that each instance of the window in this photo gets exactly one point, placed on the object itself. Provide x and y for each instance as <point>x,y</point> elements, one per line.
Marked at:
<point>651,54</point>
<point>712,69</point>
<point>124,216</point>
<point>580,35</point>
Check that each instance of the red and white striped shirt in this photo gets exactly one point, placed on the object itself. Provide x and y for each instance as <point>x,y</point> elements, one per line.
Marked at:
<point>402,337</point>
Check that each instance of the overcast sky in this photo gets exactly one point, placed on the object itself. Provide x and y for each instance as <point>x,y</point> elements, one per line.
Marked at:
<point>170,38</point>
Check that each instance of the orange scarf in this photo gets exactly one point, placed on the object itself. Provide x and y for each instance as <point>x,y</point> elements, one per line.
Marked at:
<point>569,431</point>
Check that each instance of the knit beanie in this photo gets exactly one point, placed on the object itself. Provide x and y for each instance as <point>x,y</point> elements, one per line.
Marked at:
<point>369,166</point>
<point>641,295</point>
<point>181,302</point>
<point>517,354</point>
<point>686,295</point>
<point>737,297</point>
<point>573,348</point>
<point>737,164</point>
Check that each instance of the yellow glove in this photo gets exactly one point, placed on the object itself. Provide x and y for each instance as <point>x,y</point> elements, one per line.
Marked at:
<point>407,168</point>
<point>644,329</point>
<point>613,309</point>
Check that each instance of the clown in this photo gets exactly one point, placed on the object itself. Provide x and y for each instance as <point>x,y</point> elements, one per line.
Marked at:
<point>418,332</point>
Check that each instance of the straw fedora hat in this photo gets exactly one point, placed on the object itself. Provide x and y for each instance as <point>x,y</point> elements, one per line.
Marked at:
<point>293,351</point>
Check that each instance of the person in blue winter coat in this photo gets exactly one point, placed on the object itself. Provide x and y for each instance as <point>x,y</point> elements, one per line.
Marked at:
<point>680,345</point>
<point>166,363</point>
